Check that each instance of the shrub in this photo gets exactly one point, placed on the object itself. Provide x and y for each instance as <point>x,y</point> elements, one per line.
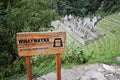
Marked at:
<point>75,56</point>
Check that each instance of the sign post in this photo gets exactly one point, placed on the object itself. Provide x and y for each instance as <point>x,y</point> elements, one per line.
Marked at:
<point>58,66</point>
<point>28,68</point>
<point>36,43</point>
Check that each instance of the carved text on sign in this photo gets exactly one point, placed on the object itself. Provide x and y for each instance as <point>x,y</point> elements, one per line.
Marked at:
<point>27,41</point>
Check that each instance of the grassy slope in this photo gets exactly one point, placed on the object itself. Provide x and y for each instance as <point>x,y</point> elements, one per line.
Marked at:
<point>108,47</point>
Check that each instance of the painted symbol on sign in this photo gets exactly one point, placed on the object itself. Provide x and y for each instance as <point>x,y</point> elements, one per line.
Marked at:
<point>58,42</point>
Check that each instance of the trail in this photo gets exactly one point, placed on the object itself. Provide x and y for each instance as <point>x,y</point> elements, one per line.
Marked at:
<point>97,71</point>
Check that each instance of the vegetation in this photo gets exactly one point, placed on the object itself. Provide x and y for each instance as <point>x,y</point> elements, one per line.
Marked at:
<point>87,7</point>
<point>36,15</point>
<point>20,16</point>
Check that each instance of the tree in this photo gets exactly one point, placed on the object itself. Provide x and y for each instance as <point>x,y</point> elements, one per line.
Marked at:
<point>20,16</point>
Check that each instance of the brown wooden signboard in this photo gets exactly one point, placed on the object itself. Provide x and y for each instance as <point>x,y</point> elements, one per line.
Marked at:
<point>36,43</point>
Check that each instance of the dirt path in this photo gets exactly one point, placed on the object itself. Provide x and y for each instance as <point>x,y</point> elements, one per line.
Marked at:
<point>97,71</point>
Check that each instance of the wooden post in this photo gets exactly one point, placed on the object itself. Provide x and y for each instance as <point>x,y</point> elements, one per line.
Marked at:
<point>28,68</point>
<point>58,66</point>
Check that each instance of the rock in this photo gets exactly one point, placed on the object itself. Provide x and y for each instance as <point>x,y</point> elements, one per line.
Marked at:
<point>93,75</point>
<point>100,70</point>
<point>109,68</point>
<point>96,71</point>
<point>118,58</point>
<point>49,76</point>
<point>112,76</point>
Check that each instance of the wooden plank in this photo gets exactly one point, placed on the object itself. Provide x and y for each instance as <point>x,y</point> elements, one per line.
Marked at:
<point>28,68</point>
<point>36,43</point>
<point>58,66</point>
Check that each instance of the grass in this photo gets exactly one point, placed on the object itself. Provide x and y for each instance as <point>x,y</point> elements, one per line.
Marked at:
<point>111,38</point>
<point>43,70</point>
<point>103,44</point>
<point>110,42</point>
<point>99,46</point>
<point>93,46</point>
<point>108,58</point>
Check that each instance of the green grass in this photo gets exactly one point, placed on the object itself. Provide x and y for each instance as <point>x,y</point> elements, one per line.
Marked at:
<point>108,58</point>
<point>93,47</point>
<point>41,69</point>
<point>103,44</point>
<point>110,42</point>
<point>99,46</point>
<point>107,32</point>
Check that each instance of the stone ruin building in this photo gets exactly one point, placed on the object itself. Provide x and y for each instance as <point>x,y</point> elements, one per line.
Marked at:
<point>81,28</point>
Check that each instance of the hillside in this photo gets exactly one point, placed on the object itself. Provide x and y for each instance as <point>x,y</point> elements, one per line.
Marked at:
<point>101,48</point>
<point>110,28</point>
<point>105,50</point>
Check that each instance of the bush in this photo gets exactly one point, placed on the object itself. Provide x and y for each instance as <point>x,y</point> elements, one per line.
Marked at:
<point>75,56</point>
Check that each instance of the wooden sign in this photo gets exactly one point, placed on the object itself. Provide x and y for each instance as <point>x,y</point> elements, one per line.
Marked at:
<point>36,43</point>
